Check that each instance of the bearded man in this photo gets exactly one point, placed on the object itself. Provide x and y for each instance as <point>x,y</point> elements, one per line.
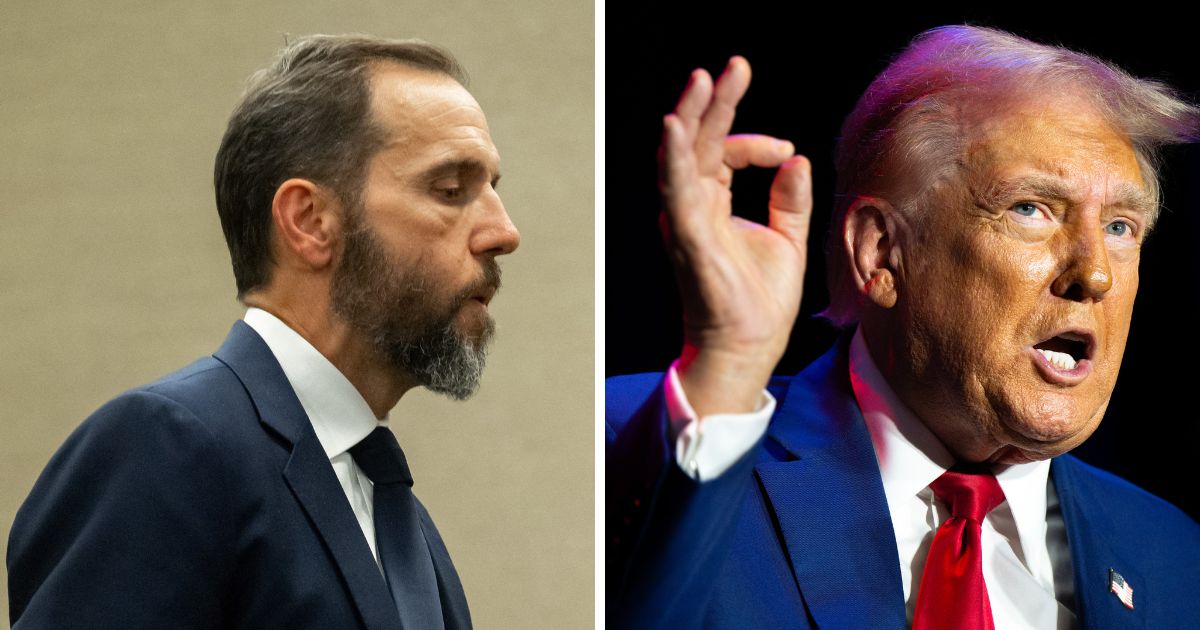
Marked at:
<point>993,196</point>
<point>261,487</point>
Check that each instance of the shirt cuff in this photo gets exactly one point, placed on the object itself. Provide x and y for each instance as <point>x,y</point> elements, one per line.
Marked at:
<point>705,450</point>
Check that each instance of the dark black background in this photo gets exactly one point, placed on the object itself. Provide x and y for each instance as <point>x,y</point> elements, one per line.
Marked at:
<point>808,72</point>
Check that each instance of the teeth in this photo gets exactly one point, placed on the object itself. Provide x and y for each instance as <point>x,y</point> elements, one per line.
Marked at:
<point>1060,360</point>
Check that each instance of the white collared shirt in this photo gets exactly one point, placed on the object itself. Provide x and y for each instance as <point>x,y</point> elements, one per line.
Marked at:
<point>340,416</point>
<point>1022,538</point>
<point>1016,563</point>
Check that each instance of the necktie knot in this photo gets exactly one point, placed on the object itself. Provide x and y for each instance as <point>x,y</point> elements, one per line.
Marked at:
<point>380,457</point>
<point>400,534</point>
<point>969,495</point>
<point>953,594</point>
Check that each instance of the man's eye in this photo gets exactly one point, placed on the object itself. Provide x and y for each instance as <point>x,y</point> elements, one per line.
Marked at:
<point>1118,228</point>
<point>450,193</point>
<point>1025,209</point>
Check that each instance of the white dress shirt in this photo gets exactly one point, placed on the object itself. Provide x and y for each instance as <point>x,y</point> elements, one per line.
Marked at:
<point>340,416</point>
<point>1025,564</point>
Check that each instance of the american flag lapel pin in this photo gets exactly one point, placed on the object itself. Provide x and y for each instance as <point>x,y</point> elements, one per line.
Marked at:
<point>1120,588</point>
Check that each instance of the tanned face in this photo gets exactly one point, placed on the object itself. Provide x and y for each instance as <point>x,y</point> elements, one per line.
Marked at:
<point>1018,286</point>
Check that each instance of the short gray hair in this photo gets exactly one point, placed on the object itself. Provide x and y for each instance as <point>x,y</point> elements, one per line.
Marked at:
<point>307,115</point>
<point>913,113</point>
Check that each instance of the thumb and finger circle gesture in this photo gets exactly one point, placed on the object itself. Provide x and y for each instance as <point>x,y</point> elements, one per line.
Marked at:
<point>740,281</point>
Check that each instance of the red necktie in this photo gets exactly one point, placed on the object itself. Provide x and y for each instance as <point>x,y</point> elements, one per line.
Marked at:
<point>952,595</point>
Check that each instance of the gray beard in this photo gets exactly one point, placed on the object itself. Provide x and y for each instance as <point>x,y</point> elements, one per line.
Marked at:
<point>401,317</point>
<point>441,360</point>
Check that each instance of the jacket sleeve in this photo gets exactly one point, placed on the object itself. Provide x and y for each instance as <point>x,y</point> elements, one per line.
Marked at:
<point>667,535</point>
<point>128,525</point>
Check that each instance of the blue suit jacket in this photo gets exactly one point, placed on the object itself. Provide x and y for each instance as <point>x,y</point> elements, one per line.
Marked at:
<point>203,500</point>
<point>798,535</point>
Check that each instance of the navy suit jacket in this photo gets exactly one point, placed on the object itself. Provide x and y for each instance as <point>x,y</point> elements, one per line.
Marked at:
<point>798,534</point>
<point>203,500</point>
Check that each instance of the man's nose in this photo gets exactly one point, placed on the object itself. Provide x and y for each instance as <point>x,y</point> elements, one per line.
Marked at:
<point>1088,275</point>
<point>496,235</point>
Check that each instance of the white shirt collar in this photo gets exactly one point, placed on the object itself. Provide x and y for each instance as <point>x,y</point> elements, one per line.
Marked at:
<point>911,457</point>
<point>339,414</point>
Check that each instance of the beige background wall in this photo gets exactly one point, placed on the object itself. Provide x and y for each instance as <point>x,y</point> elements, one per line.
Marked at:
<point>113,270</point>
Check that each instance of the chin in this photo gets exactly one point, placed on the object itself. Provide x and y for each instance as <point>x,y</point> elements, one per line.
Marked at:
<point>1046,434</point>
<point>473,321</point>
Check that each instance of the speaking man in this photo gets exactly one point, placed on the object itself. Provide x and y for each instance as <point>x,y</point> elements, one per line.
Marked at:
<point>260,487</point>
<point>992,198</point>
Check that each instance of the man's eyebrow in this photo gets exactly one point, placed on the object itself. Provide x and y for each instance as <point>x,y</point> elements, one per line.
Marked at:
<point>1008,190</point>
<point>459,166</point>
<point>1127,195</point>
<point>1137,199</point>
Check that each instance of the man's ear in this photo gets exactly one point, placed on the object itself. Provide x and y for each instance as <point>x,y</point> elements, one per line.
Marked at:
<point>872,239</point>
<point>307,222</point>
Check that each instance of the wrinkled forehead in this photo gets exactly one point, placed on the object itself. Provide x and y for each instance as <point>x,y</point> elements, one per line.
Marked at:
<point>1058,139</point>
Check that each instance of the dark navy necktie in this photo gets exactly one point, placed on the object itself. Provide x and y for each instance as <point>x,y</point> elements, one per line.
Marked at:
<point>403,550</point>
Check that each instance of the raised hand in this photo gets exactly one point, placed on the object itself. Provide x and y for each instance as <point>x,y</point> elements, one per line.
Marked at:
<point>741,281</point>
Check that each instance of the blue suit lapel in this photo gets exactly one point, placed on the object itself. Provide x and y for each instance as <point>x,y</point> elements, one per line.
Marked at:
<point>829,502</point>
<point>309,474</point>
<point>1093,554</point>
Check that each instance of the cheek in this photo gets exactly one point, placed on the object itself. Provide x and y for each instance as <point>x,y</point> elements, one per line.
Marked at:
<point>975,307</point>
<point>1011,276</point>
<point>982,288</point>
<point>423,247</point>
<point>1117,310</point>
<point>1008,285</point>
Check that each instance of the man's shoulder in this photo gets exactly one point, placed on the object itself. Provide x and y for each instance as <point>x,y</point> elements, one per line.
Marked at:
<point>164,470</point>
<point>1120,501</point>
<point>201,385</point>
<point>201,403</point>
<point>1113,526</point>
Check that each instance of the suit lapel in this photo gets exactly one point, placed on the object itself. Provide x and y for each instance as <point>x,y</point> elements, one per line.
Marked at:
<point>455,613</point>
<point>309,474</point>
<point>1093,554</point>
<point>834,519</point>
<point>829,502</point>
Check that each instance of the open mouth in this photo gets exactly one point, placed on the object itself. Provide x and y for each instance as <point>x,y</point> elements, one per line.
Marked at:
<point>1066,349</point>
